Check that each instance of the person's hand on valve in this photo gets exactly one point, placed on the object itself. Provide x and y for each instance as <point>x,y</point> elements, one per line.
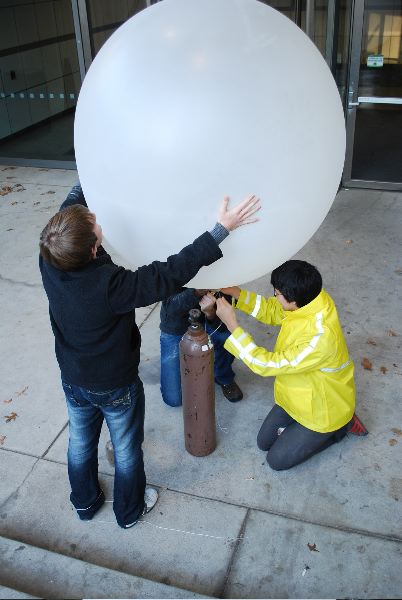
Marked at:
<point>207,305</point>
<point>226,313</point>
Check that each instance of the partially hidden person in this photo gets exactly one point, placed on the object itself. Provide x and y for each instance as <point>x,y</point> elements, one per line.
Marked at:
<point>174,323</point>
<point>92,304</point>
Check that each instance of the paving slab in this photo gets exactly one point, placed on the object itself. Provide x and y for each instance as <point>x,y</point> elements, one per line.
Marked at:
<point>14,469</point>
<point>30,391</point>
<point>185,541</point>
<point>274,561</point>
<point>51,575</point>
<point>9,594</point>
<point>23,215</point>
<point>53,177</point>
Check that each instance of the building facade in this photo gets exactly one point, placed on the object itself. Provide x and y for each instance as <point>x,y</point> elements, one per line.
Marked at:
<point>46,47</point>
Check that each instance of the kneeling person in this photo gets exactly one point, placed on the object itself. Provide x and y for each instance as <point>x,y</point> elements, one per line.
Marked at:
<point>314,387</point>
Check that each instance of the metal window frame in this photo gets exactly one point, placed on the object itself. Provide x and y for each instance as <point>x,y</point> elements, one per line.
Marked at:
<point>310,18</point>
<point>82,25</point>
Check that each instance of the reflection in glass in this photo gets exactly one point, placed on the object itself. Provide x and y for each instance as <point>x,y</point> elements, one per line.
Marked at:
<point>104,17</point>
<point>39,79</point>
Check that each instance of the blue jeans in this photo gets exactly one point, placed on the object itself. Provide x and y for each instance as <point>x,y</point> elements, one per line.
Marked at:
<point>170,364</point>
<point>124,411</point>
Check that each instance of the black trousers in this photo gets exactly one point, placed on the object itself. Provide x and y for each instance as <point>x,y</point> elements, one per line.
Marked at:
<point>295,443</point>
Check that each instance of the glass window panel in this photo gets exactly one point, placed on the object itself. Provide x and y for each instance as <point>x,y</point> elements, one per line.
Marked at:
<point>39,79</point>
<point>104,17</point>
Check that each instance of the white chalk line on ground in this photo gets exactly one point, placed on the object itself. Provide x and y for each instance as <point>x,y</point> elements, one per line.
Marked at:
<point>207,535</point>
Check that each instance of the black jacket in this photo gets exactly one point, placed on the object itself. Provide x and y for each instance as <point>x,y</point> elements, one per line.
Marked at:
<point>92,310</point>
<point>175,309</point>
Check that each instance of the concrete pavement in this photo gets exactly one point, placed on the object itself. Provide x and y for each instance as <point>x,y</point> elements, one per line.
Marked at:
<point>226,525</point>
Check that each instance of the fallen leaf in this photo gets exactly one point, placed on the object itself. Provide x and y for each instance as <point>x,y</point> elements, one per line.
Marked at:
<point>397,431</point>
<point>6,189</point>
<point>392,442</point>
<point>398,271</point>
<point>11,229</point>
<point>392,333</point>
<point>2,439</point>
<point>312,547</point>
<point>7,401</point>
<point>372,342</point>
<point>22,391</point>
<point>348,241</point>
<point>383,370</point>
<point>13,416</point>
<point>367,364</point>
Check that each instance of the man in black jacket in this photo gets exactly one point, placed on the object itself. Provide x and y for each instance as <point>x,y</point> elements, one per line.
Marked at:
<point>92,306</point>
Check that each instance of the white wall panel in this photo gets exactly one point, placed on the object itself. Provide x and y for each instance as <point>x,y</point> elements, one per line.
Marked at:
<point>18,111</point>
<point>12,72</point>
<point>51,62</point>
<point>5,128</point>
<point>27,30</point>
<point>33,67</point>
<point>39,103</point>
<point>46,20</point>
<point>8,30</point>
<point>64,17</point>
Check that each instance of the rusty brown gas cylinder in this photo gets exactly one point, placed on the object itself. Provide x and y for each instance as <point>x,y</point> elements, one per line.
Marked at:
<point>198,388</point>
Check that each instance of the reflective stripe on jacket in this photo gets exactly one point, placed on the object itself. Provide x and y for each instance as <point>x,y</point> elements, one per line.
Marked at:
<point>314,374</point>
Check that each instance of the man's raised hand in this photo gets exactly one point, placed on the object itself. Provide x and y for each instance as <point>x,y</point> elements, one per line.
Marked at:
<point>241,214</point>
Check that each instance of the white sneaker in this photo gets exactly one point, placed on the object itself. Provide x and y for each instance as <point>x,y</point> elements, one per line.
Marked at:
<point>150,499</point>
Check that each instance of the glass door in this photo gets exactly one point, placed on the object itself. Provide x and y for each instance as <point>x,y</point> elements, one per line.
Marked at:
<point>374,110</point>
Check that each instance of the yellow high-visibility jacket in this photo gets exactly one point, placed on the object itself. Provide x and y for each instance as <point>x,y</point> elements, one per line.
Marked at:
<point>314,373</point>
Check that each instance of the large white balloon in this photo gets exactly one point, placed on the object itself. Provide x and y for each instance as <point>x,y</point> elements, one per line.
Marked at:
<point>191,100</point>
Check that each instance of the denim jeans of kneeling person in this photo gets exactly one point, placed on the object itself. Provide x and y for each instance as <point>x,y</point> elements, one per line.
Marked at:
<point>124,410</point>
<point>289,443</point>
<point>170,364</point>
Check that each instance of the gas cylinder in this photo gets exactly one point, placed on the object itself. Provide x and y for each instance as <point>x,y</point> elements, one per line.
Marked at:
<point>198,388</point>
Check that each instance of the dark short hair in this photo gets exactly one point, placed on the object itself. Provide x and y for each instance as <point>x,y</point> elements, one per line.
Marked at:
<point>68,239</point>
<point>297,281</point>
